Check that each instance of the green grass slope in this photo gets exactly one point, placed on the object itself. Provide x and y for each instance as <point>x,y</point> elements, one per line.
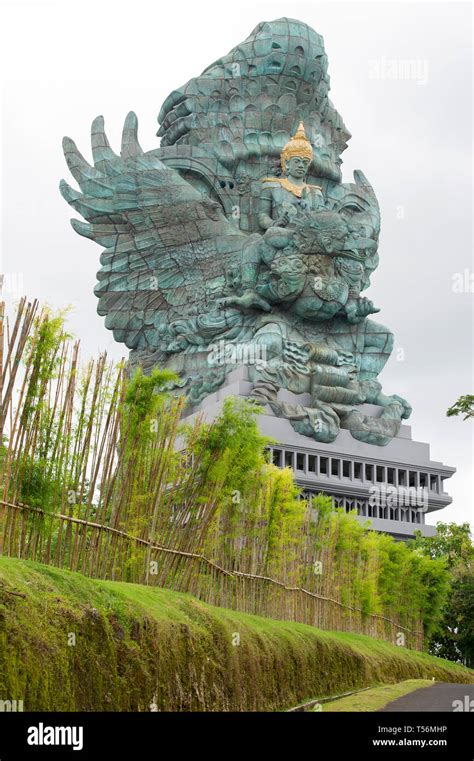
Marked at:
<point>139,648</point>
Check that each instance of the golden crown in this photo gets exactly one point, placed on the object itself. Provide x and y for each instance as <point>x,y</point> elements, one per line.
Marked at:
<point>298,145</point>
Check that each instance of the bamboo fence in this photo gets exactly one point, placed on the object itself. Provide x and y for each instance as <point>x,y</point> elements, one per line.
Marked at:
<point>84,486</point>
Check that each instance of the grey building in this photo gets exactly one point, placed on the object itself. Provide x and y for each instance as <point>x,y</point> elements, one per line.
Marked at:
<point>394,487</point>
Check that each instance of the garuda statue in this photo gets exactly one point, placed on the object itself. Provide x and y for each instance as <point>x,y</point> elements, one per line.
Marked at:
<point>238,232</point>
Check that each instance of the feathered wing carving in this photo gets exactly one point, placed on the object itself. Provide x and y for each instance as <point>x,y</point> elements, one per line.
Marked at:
<point>166,246</point>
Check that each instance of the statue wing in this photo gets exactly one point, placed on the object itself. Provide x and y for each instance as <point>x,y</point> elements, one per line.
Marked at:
<point>166,246</point>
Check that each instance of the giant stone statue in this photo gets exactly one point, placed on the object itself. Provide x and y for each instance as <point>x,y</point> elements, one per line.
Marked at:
<point>239,231</point>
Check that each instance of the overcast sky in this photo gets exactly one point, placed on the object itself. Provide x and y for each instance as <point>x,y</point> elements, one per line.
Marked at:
<point>63,63</point>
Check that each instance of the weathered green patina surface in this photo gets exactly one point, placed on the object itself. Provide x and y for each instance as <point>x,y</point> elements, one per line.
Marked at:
<point>237,238</point>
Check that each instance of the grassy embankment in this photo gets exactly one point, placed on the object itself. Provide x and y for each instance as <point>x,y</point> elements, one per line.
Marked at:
<point>138,646</point>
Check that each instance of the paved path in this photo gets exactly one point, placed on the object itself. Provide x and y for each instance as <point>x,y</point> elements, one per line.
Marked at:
<point>438,698</point>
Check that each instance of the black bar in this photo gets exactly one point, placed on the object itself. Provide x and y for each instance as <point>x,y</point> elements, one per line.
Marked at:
<point>160,735</point>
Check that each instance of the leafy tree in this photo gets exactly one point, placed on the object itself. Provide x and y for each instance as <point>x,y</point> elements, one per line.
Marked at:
<point>463,406</point>
<point>454,637</point>
<point>452,543</point>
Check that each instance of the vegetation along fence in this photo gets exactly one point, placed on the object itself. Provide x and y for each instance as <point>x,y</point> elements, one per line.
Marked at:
<point>98,475</point>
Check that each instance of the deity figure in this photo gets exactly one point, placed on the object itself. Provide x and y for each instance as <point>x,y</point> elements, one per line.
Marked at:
<point>283,197</point>
<point>315,264</point>
<point>199,250</point>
